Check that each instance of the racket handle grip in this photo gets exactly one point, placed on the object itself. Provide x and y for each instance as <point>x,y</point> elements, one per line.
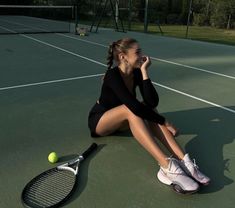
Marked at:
<point>89,150</point>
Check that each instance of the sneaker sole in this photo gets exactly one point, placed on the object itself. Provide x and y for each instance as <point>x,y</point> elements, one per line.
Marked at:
<point>204,184</point>
<point>194,178</point>
<point>178,189</point>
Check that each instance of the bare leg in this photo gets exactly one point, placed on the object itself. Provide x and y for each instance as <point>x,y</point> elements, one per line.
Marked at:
<point>115,118</point>
<point>163,134</point>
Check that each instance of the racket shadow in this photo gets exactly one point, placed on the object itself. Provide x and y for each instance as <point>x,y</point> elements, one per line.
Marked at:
<point>82,175</point>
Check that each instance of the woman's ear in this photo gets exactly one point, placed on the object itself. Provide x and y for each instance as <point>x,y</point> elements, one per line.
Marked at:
<point>121,56</point>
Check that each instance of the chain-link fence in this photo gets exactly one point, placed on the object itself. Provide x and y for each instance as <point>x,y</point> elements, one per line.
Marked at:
<point>210,20</point>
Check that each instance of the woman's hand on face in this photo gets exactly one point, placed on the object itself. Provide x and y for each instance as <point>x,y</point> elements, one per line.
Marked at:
<point>146,62</point>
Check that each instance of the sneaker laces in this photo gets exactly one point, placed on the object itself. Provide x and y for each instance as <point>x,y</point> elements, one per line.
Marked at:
<point>193,170</point>
<point>176,171</point>
<point>192,164</point>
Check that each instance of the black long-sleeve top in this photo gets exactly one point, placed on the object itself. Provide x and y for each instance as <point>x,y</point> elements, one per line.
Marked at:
<point>114,93</point>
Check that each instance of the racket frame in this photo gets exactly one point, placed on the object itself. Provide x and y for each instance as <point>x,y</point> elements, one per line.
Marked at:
<point>62,167</point>
<point>65,166</point>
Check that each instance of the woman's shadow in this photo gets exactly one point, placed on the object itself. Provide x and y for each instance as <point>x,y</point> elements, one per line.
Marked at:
<point>213,128</point>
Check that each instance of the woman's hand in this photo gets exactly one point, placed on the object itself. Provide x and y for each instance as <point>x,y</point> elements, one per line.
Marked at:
<point>146,62</point>
<point>174,131</point>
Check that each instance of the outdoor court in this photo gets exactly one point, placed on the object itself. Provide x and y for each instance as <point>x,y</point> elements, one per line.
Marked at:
<point>49,82</point>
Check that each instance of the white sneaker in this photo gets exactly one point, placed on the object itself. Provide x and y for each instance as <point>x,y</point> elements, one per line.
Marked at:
<point>176,177</point>
<point>192,170</point>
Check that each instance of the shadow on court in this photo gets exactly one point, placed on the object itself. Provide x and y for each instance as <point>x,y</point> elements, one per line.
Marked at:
<point>83,173</point>
<point>212,129</point>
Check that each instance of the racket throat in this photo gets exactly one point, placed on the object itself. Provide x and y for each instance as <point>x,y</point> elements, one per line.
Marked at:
<point>72,165</point>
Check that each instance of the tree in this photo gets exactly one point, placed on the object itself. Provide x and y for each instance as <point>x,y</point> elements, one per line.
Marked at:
<point>223,13</point>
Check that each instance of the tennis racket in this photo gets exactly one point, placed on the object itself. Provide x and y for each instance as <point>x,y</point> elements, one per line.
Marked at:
<point>54,186</point>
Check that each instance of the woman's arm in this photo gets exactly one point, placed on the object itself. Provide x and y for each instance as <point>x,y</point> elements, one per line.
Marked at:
<point>146,87</point>
<point>114,81</point>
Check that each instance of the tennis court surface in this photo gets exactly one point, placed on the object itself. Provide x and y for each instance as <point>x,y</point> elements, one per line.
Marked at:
<point>48,83</point>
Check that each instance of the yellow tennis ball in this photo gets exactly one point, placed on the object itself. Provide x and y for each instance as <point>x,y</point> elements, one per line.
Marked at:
<point>52,157</point>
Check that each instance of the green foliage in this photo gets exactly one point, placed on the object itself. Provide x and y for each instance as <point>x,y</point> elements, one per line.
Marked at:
<point>222,11</point>
<point>200,19</point>
<point>215,13</point>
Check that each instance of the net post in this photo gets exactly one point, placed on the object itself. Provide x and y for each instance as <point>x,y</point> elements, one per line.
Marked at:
<point>129,14</point>
<point>146,16</point>
<point>76,16</point>
<point>189,15</point>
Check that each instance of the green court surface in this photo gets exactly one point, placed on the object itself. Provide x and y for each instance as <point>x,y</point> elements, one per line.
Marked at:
<point>49,82</point>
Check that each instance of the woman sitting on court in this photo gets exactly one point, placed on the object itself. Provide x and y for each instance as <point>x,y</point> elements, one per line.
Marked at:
<point>118,108</point>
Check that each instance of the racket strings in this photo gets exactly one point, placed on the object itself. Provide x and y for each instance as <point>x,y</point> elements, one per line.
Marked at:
<point>50,188</point>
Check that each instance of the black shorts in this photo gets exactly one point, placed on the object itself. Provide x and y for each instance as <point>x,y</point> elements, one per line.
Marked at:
<point>95,114</point>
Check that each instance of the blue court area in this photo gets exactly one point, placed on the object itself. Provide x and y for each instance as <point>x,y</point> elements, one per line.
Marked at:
<point>49,82</point>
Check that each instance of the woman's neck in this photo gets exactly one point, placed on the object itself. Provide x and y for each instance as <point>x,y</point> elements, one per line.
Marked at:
<point>126,71</point>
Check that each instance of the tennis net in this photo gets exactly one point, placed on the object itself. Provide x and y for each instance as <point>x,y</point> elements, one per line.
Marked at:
<point>15,19</point>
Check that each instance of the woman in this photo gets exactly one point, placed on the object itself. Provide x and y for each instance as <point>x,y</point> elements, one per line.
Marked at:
<point>118,108</point>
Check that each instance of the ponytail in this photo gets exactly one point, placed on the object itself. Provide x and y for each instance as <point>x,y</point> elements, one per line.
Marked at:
<point>110,55</point>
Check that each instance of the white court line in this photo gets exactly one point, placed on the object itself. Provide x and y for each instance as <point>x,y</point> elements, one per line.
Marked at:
<point>194,97</point>
<point>50,82</point>
<point>157,59</point>
<point>27,26</point>
<point>4,28</point>
<point>86,41</point>
<point>192,67</point>
<point>64,50</point>
<point>82,40</point>
<point>99,63</point>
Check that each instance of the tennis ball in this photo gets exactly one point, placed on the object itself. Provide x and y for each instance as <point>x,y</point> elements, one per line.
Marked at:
<point>52,157</point>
